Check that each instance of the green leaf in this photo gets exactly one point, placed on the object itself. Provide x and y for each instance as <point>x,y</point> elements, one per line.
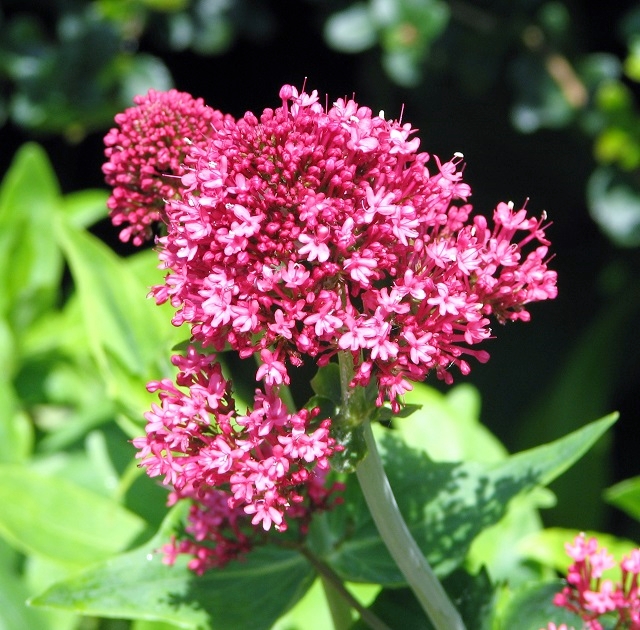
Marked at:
<point>16,428</point>
<point>326,383</point>
<point>447,426</point>
<point>614,205</point>
<point>30,261</point>
<point>249,594</point>
<point>471,595</point>
<point>143,72</point>
<point>40,573</point>
<point>532,608</point>
<point>13,612</point>
<point>51,517</point>
<point>352,30</point>
<point>445,504</point>
<point>127,333</point>
<point>626,496</point>
<point>85,207</point>
<point>353,448</point>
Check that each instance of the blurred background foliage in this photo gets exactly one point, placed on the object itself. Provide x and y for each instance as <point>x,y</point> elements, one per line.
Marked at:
<point>540,96</point>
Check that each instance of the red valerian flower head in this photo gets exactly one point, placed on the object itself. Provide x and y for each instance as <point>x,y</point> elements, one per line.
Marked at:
<point>145,155</point>
<point>309,232</point>
<point>590,596</point>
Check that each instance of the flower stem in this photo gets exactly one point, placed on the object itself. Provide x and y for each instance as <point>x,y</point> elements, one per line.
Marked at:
<point>391,526</point>
<point>399,541</point>
<point>333,586</point>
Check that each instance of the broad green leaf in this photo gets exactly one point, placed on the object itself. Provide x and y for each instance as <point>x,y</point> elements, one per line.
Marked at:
<point>14,614</point>
<point>445,504</point>
<point>472,596</point>
<point>52,517</point>
<point>92,467</point>
<point>40,573</point>
<point>312,606</point>
<point>626,496</point>
<point>496,548</point>
<point>126,331</point>
<point>16,428</point>
<point>30,261</point>
<point>532,608</point>
<point>250,594</point>
<point>447,426</point>
<point>85,207</point>
<point>61,331</point>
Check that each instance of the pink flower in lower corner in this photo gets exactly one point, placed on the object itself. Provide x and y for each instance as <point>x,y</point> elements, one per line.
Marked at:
<point>591,597</point>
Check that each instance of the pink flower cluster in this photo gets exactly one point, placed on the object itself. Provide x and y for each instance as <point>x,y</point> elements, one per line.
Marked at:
<point>146,152</point>
<point>590,596</point>
<point>305,232</point>
<point>265,464</point>
<point>309,232</point>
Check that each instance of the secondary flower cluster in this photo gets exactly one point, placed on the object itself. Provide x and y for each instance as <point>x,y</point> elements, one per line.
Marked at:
<point>146,152</point>
<point>268,464</point>
<point>590,596</point>
<point>305,232</point>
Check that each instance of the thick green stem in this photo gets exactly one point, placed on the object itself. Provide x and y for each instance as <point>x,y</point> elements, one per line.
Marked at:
<point>399,541</point>
<point>392,528</point>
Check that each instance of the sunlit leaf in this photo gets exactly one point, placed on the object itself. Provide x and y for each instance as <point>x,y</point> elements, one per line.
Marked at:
<point>30,260</point>
<point>85,207</point>
<point>126,331</point>
<point>626,496</point>
<point>445,504</point>
<point>13,611</point>
<point>51,517</point>
<point>16,428</point>
<point>447,427</point>
<point>249,595</point>
<point>532,608</point>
